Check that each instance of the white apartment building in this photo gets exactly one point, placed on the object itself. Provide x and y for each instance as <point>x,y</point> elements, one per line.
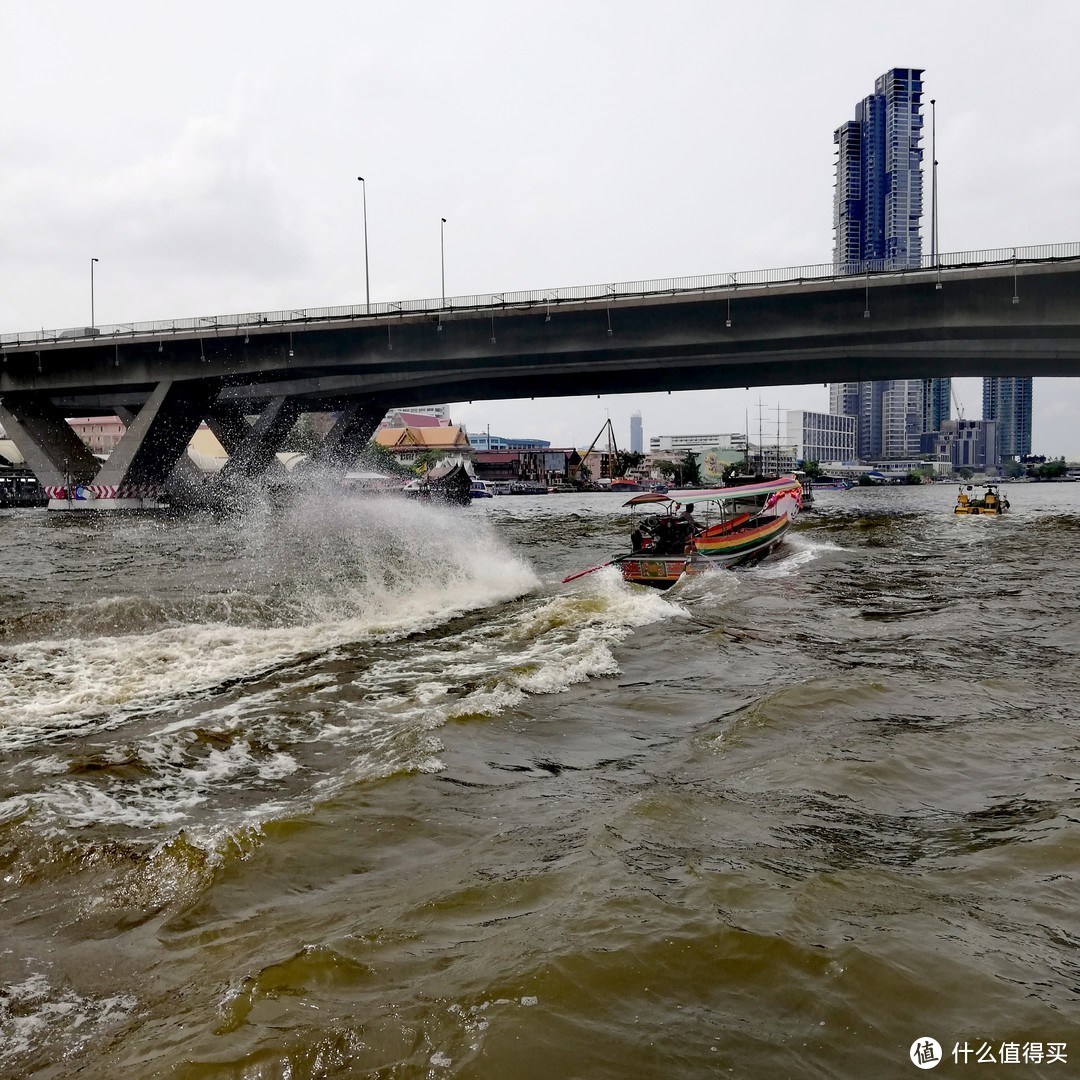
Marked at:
<point>440,412</point>
<point>902,418</point>
<point>821,436</point>
<point>696,444</point>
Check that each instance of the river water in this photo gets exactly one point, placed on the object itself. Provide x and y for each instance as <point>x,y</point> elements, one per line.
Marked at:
<point>359,788</point>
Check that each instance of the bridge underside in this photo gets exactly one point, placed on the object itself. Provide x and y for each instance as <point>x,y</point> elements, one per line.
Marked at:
<point>1006,321</point>
<point>150,459</point>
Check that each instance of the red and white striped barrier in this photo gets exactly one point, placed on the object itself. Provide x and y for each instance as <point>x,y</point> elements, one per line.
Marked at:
<point>93,492</point>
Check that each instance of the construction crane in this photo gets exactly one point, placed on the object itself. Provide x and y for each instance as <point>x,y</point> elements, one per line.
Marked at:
<point>613,450</point>
<point>956,402</point>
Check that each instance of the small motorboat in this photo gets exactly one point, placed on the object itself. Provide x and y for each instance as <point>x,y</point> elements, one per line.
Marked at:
<point>481,489</point>
<point>980,499</point>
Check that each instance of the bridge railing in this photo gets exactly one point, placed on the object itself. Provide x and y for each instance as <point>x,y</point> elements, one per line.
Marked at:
<point>211,324</point>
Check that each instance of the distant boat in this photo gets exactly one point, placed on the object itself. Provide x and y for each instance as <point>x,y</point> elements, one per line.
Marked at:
<point>481,489</point>
<point>980,499</point>
<point>624,483</point>
<point>372,483</point>
<point>447,483</point>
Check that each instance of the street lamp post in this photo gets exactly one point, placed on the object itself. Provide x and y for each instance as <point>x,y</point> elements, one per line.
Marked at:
<point>92,323</point>
<point>442,256</point>
<point>367,275</point>
<point>933,181</point>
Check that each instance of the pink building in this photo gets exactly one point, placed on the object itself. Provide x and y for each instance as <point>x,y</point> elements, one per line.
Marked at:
<point>99,433</point>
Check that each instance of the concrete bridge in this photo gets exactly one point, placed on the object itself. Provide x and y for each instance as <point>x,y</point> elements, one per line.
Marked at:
<point>1006,312</point>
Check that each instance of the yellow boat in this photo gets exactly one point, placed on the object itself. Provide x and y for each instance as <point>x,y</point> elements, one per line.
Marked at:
<point>980,499</point>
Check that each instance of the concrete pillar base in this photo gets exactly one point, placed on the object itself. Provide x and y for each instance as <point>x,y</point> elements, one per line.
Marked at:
<point>80,501</point>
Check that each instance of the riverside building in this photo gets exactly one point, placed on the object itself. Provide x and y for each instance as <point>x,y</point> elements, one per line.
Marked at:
<point>696,444</point>
<point>892,416</point>
<point>821,436</point>
<point>1008,403</point>
<point>967,444</point>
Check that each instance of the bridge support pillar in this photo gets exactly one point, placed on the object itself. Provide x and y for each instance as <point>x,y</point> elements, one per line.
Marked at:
<point>56,455</point>
<point>186,481</point>
<point>135,474</point>
<point>355,425</point>
<point>227,422</point>
<point>253,456</point>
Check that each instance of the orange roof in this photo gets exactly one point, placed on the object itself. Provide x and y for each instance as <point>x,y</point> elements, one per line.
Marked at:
<point>425,438</point>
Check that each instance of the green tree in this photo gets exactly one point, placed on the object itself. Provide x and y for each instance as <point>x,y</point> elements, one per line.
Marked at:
<point>427,460</point>
<point>690,470</point>
<point>302,438</point>
<point>379,459</point>
<point>625,460</point>
<point>812,469</point>
<point>1051,470</point>
<point>667,469</point>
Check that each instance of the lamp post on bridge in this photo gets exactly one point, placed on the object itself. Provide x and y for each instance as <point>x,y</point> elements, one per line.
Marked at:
<point>442,256</point>
<point>92,323</point>
<point>367,275</point>
<point>933,181</point>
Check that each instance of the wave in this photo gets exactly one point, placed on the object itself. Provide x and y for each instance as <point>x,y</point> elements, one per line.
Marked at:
<point>324,575</point>
<point>217,728</point>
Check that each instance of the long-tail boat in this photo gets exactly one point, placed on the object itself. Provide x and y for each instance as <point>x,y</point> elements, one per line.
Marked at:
<point>677,533</point>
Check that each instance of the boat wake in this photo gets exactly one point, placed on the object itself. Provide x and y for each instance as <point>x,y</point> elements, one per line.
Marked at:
<point>304,586</point>
<point>364,627</point>
<point>796,553</point>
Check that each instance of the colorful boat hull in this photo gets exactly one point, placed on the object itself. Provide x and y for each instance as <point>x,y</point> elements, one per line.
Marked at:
<point>717,548</point>
<point>741,523</point>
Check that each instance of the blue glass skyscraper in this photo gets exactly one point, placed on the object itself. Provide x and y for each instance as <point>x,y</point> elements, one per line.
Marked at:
<point>1008,402</point>
<point>877,212</point>
<point>877,204</point>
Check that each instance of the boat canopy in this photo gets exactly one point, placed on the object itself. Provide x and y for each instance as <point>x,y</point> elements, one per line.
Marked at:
<point>648,497</point>
<point>740,491</point>
<point>725,494</point>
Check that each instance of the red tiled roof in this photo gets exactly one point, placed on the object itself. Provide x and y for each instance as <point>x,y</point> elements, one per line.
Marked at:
<point>415,419</point>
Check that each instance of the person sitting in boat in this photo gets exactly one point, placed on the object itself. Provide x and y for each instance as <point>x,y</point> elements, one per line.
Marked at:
<point>669,536</point>
<point>687,518</point>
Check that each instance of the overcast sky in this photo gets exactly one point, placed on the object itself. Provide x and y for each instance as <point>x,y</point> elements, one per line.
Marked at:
<point>207,155</point>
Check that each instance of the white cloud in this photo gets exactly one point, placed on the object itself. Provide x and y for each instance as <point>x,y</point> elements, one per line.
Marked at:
<point>209,158</point>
